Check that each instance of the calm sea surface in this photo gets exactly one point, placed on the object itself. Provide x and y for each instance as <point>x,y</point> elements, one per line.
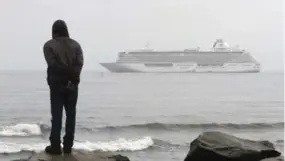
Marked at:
<point>148,117</point>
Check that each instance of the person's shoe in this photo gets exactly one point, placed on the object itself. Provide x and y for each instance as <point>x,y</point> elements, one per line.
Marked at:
<point>53,151</point>
<point>67,150</point>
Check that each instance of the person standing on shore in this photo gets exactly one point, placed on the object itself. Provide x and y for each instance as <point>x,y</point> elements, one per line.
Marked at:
<point>64,58</point>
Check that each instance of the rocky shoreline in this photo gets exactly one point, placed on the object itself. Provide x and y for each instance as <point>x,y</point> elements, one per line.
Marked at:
<point>208,146</point>
<point>76,156</point>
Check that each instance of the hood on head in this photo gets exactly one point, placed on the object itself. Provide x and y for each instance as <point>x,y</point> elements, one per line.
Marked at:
<point>59,29</point>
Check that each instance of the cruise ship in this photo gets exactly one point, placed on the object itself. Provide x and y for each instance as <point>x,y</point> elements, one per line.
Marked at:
<point>219,59</point>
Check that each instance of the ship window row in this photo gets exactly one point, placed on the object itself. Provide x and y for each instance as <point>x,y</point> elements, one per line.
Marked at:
<point>179,54</point>
<point>181,57</point>
<point>158,65</point>
<point>185,58</point>
<point>188,59</point>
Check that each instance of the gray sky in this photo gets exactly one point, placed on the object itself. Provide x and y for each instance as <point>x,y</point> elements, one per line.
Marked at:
<point>104,27</point>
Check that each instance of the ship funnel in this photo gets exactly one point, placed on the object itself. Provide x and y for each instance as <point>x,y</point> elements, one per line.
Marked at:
<point>221,44</point>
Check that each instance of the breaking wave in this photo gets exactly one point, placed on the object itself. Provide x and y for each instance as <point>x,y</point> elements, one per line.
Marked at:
<point>23,129</point>
<point>121,144</point>
<point>117,145</point>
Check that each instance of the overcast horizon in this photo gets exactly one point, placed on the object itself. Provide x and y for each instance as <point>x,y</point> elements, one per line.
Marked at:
<point>103,28</point>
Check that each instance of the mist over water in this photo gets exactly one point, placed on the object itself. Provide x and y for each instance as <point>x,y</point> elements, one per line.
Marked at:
<point>144,116</point>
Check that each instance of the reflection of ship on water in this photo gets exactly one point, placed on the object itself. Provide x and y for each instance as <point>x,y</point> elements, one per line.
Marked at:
<point>221,58</point>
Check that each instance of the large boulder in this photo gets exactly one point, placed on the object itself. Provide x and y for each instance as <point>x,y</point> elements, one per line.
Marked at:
<point>280,158</point>
<point>76,156</point>
<point>218,146</point>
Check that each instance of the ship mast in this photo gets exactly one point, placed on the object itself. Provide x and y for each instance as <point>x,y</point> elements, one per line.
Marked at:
<point>146,46</point>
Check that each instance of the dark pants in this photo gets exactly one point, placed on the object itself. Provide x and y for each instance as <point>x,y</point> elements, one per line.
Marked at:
<point>63,98</point>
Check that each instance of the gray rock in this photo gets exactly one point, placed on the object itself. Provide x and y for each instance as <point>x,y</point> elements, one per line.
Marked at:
<point>218,146</point>
<point>76,156</point>
<point>281,158</point>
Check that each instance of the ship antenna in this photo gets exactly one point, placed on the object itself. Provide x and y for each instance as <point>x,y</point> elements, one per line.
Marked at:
<point>146,45</point>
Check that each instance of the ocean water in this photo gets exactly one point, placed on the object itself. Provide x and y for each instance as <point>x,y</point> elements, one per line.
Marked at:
<point>147,117</point>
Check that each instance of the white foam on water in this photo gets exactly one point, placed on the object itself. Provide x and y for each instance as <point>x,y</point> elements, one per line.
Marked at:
<point>117,145</point>
<point>20,130</point>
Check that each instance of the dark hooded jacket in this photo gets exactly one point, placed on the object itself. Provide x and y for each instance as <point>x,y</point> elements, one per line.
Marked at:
<point>64,57</point>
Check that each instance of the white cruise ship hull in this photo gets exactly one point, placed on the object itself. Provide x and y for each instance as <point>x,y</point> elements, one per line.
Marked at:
<point>182,68</point>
